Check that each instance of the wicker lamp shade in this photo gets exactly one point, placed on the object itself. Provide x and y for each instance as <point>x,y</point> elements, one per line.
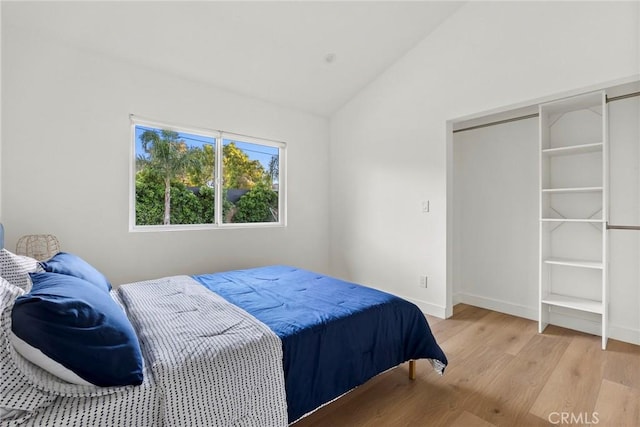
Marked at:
<point>38,246</point>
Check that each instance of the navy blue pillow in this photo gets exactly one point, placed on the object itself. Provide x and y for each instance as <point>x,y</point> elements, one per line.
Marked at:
<point>81,327</point>
<point>73,265</point>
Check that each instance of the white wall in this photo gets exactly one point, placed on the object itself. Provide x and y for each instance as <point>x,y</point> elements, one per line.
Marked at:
<point>66,156</point>
<point>389,144</point>
<point>495,188</point>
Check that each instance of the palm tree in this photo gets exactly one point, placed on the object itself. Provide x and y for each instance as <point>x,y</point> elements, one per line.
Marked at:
<point>168,157</point>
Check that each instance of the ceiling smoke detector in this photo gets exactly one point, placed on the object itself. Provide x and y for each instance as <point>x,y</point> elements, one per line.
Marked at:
<point>329,58</point>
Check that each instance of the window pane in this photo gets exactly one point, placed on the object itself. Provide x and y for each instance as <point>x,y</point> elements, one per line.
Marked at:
<point>250,179</point>
<point>174,177</point>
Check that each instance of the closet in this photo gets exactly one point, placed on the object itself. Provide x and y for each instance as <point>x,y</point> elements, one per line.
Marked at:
<point>545,204</point>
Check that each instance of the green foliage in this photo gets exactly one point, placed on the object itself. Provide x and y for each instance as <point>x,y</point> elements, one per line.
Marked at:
<point>187,207</point>
<point>206,198</point>
<point>201,166</point>
<point>149,199</point>
<point>239,171</point>
<point>257,205</point>
<point>173,183</point>
<point>167,157</point>
<point>228,208</point>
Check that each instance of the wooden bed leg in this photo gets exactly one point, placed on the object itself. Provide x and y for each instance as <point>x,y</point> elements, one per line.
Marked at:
<point>412,369</point>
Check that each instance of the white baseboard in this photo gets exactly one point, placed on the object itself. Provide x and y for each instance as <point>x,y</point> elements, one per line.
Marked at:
<point>625,334</point>
<point>579,321</point>
<point>497,305</point>
<point>429,308</point>
<point>584,322</point>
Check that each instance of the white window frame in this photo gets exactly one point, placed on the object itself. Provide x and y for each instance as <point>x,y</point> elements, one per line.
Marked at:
<point>219,136</point>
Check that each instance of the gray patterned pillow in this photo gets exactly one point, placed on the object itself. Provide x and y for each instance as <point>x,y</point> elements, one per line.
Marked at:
<point>15,269</point>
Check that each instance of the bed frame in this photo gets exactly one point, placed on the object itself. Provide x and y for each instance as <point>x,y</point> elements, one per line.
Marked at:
<point>412,363</point>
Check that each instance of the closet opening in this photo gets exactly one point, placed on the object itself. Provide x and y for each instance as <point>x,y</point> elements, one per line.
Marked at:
<point>499,187</point>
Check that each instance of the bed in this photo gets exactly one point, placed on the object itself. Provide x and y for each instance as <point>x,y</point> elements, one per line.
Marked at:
<point>256,347</point>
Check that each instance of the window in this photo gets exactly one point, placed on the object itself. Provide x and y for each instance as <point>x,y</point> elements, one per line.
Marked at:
<point>185,178</point>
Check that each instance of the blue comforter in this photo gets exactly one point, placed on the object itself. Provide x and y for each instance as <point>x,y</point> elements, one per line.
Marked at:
<point>335,335</point>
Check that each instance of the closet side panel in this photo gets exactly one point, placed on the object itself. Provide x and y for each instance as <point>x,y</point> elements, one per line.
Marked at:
<point>624,209</point>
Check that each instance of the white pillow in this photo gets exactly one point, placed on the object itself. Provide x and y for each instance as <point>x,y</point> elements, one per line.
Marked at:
<point>16,268</point>
<point>40,359</point>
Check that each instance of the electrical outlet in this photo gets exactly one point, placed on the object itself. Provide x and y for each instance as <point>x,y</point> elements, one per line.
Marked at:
<point>423,281</point>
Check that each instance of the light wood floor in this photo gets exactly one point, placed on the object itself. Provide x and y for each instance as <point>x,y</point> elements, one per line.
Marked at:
<point>501,373</point>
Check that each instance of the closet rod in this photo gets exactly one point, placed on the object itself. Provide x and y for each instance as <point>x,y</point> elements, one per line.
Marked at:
<point>499,122</point>
<point>619,97</point>
<point>622,227</point>
<point>530,116</point>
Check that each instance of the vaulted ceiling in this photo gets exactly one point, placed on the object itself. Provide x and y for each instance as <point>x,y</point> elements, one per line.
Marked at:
<point>309,56</point>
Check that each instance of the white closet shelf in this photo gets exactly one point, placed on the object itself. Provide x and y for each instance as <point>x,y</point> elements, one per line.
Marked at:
<point>573,143</point>
<point>575,303</point>
<point>572,190</point>
<point>573,149</point>
<point>572,220</point>
<point>575,263</point>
